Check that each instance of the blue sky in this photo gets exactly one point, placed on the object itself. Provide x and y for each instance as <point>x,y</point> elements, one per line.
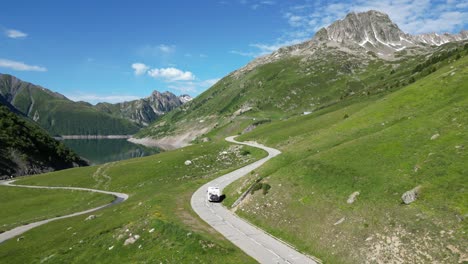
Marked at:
<point>122,50</point>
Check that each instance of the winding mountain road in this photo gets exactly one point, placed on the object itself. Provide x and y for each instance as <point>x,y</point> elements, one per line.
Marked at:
<point>260,245</point>
<point>120,197</point>
<point>255,242</point>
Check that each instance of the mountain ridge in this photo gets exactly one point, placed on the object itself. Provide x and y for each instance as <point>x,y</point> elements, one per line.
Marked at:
<point>305,77</point>
<point>355,33</point>
<point>62,116</point>
<point>56,113</point>
<point>146,110</point>
<point>374,29</point>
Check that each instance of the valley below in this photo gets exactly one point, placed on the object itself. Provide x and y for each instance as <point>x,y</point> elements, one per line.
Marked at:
<point>350,147</point>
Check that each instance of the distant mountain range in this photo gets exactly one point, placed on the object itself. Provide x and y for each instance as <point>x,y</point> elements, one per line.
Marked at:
<point>375,31</point>
<point>61,116</point>
<point>359,55</point>
<point>147,110</point>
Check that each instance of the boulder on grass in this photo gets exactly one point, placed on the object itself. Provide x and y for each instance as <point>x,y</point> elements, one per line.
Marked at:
<point>411,195</point>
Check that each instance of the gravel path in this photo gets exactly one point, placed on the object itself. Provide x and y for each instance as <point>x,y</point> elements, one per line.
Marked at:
<point>255,242</point>
<point>119,197</point>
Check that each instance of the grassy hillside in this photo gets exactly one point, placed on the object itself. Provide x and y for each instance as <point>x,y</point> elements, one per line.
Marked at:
<point>158,211</point>
<point>380,146</point>
<point>26,148</point>
<point>295,84</point>
<point>31,204</point>
<point>57,114</point>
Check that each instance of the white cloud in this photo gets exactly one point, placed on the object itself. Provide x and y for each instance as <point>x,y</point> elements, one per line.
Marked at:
<point>166,48</point>
<point>263,49</point>
<point>179,80</point>
<point>210,82</point>
<point>193,86</point>
<point>13,33</point>
<point>184,87</point>
<point>295,20</point>
<point>20,66</point>
<point>156,50</point>
<point>94,98</point>
<point>171,74</point>
<point>243,53</point>
<point>139,68</point>
<point>259,4</point>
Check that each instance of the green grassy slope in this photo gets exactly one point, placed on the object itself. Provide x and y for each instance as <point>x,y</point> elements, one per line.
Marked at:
<point>57,114</point>
<point>31,204</point>
<point>158,211</point>
<point>296,84</point>
<point>381,147</point>
<point>25,148</point>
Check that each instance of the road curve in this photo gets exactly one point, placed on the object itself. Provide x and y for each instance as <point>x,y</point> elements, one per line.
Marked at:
<point>255,242</point>
<point>119,197</point>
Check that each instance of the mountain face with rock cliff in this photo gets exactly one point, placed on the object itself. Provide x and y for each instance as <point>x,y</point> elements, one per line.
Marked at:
<point>61,116</point>
<point>146,110</point>
<point>56,113</point>
<point>376,32</point>
<point>360,55</point>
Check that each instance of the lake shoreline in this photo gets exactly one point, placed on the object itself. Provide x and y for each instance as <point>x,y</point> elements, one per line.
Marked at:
<point>93,137</point>
<point>103,150</point>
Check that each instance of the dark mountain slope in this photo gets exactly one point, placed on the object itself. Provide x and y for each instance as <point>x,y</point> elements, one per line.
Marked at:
<point>26,148</point>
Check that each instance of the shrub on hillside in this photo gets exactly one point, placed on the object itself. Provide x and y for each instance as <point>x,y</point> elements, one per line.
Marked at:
<point>265,188</point>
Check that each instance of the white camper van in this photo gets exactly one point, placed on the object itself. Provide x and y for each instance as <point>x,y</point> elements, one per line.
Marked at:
<point>213,194</point>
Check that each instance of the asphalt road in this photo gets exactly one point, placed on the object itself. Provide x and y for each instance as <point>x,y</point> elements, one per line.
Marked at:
<point>119,197</point>
<point>252,240</point>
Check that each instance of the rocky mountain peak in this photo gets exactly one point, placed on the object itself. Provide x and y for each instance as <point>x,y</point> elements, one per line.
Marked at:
<point>371,29</point>
<point>357,34</point>
<point>166,96</point>
<point>146,110</point>
<point>185,98</point>
<point>375,31</point>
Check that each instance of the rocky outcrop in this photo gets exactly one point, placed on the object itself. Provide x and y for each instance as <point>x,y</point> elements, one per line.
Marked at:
<point>352,197</point>
<point>440,39</point>
<point>146,110</point>
<point>370,28</point>
<point>411,195</point>
<point>185,98</point>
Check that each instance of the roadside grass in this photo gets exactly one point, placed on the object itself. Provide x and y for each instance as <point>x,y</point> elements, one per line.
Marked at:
<point>381,149</point>
<point>157,212</point>
<point>22,206</point>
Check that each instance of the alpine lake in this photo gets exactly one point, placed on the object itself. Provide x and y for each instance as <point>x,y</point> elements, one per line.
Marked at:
<point>99,151</point>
